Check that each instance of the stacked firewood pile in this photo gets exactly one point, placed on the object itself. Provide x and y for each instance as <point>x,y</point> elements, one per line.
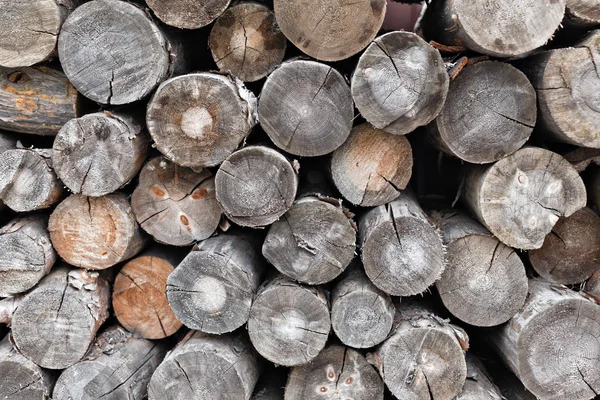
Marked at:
<point>268,200</point>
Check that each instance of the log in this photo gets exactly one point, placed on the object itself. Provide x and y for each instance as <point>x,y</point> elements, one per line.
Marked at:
<point>117,366</point>
<point>312,243</point>
<point>306,107</point>
<point>329,30</point>
<point>212,289</point>
<point>484,283</point>
<point>95,233</point>
<point>522,196</point>
<point>206,367</point>
<point>582,14</point>
<point>400,83</point>
<point>27,254</point>
<point>176,205</point>
<point>582,157</point>
<point>338,372</point>
<point>372,167</point>
<point>57,321</point>
<point>99,153</point>
<point>255,186</point>
<point>478,386</point>
<point>27,180</point>
<point>490,113</point>
<point>188,14</point>
<point>247,42</point>
<point>492,27</point>
<point>552,342</point>
<point>361,315</point>
<point>289,323</point>
<point>401,250</point>
<point>197,120</point>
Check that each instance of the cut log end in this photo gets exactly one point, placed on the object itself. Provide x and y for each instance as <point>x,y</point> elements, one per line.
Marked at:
<point>188,14</point>
<point>582,13</point>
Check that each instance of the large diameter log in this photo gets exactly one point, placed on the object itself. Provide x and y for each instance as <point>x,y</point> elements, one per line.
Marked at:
<point>255,186</point>
<point>400,83</point>
<point>552,343</point>
<point>312,243</point>
<point>492,27</point>
<point>338,372</point>
<point>95,233</point>
<point>330,30</point>
<point>57,321</point>
<point>289,323</point>
<point>176,205</point>
<point>478,386</point>
<point>213,287</point>
<point>582,13</point>
<point>522,196</point>
<point>99,153</point>
<point>197,120</point>
<point>372,166</point>
<point>490,113</point>
<point>306,108</point>
<point>401,249</point>
<point>207,367</point>
<point>188,14</point>
<point>247,42</point>
<point>36,100</point>
<point>484,283</point>
<point>118,366</point>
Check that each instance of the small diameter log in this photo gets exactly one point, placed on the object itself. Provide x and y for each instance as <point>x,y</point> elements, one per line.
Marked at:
<point>490,113</point>
<point>188,14</point>
<point>306,107</point>
<point>207,367</point>
<point>247,42</point>
<point>522,196</point>
<point>213,287</point>
<point>312,243</point>
<point>479,385</point>
<point>289,323</point>
<point>582,13</point>
<point>493,27</point>
<point>552,343</point>
<point>401,250</point>
<point>400,83</point>
<point>117,366</point>
<point>27,254</point>
<point>176,205</point>
<point>338,372</point>
<point>255,186</point>
<point>372,166</point>
<point>56,322</point>
<point>27,180</point>
<point>99,153</point>
<point>95,233</point>
<point>330,30</point>
<point>197,120</point>
<point>484,283</point>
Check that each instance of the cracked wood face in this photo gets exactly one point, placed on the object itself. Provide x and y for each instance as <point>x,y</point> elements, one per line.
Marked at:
<point>188,14</point>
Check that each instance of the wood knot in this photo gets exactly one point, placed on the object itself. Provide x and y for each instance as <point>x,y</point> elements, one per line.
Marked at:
<point>349,381</point>
<point>155,190</point>
<point>184,220</point>
<point>323,389</point>
<point>199,194</point>
<point>18,77</point>
<point>330,375</point>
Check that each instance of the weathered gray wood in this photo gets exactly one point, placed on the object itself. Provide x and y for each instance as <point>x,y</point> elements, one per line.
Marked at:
<point>583,157</point>
<point>99,153</point>
<point>306,108</point>
<point>400,83</point>
<point>592,286</point>
<point>95,232</point>
<point>490,113</point>
<point>494,27</point>
<point>582,13</point>
<point>212,289</point>
<point>401,249</point>
<point>27,180</point>
<point>247,42</point>
<point>478,386</point>
<point>118,366</point>
<point>27,254</point>
<point>484,283</point>
<point>207,367</point>
<point>57,321</point>
<point>8,306</point>
<point>312,243</point>
<point>330,30</point>
<point>520,197</point>
<point>176,205</point>
<point>551,345</point>
<point>188,14</point>
<point>255,186</point>
<point>197,120</point>
<point>289,323</point>
<point>338,372</point>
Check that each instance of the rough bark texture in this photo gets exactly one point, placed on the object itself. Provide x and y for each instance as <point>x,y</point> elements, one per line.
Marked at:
<point>582,13</point>
<point>478,386</point>
<point>188,14</point>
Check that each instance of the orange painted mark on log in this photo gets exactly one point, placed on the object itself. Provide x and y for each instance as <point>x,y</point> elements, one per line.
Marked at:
<point>26,105</point>
<point>21,92</point>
